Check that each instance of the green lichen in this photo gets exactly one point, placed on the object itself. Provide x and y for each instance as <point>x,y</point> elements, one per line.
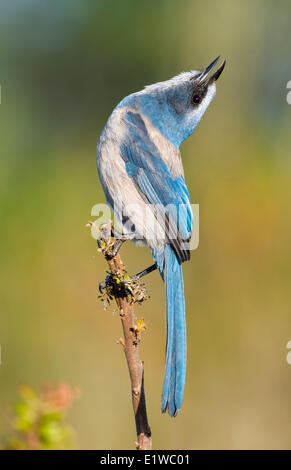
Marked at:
<point>123,286</point>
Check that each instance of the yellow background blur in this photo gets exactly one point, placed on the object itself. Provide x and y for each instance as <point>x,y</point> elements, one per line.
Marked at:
<point>64,66</point>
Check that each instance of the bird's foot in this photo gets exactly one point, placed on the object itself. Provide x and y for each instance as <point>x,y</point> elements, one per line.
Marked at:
<point>120,239</point>
<point>126,278</point>
<point>111,240</point>
<point>122,286</point>
<point>116,247</point>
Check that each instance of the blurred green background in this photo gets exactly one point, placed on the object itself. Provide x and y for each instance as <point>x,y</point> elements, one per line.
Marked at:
<point>64,66</point>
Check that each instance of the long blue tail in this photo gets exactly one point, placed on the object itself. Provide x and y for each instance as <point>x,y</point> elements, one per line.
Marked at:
<point>175,369</point>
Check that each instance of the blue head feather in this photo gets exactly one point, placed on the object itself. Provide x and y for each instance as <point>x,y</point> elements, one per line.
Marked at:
<point>170,107</point>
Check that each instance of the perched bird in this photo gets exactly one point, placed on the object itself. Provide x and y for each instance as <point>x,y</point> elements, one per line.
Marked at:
<point>140,169</point>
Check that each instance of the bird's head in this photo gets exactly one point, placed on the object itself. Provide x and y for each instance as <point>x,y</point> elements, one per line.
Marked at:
<point>176,106</point>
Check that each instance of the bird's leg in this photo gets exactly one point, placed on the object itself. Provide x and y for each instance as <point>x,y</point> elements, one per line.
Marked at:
<point>137,277</point>
<point>117,246</point>
<point>120,239</point>
<point>144,272</point>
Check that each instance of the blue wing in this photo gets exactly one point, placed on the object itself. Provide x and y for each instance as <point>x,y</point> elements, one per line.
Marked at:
<point>153,179</point>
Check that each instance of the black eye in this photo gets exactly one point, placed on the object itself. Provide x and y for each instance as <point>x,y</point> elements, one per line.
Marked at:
<point>196,99</point>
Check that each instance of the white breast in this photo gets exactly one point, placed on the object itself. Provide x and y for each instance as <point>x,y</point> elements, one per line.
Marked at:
<point>128,202</point>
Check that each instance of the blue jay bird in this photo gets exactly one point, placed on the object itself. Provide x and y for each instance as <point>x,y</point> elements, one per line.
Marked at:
<point>141,172</point>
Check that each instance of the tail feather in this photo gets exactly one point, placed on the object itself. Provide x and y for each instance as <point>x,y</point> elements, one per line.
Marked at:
<point>175,368</point>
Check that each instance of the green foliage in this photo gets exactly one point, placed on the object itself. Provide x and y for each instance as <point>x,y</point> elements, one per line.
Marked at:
<point>40,419</point>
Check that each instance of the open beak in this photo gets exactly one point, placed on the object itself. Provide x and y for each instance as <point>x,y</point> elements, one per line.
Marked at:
<point>204,76</point>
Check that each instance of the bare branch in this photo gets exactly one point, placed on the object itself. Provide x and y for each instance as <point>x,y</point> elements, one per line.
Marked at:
<point>125,298</point>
